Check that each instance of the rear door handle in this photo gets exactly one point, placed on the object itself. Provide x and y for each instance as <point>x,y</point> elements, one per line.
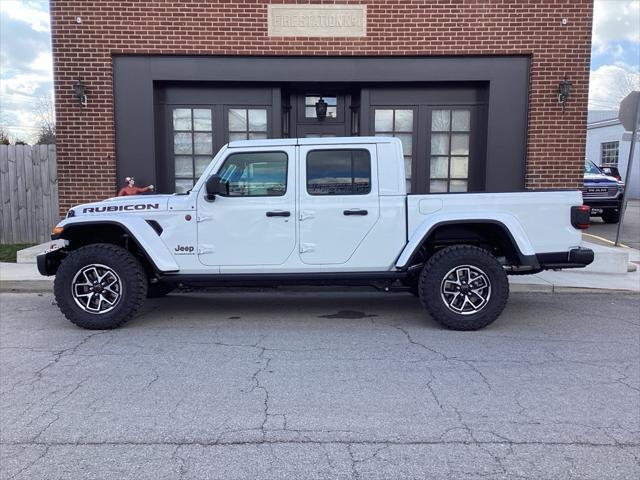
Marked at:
<point>278,213</point>
<point>355,212</point>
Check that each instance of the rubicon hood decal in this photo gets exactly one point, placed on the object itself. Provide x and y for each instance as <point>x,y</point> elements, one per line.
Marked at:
<point>121,208</point>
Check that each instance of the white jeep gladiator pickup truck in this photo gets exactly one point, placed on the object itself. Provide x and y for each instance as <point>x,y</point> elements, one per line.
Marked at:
<point>330,211</point>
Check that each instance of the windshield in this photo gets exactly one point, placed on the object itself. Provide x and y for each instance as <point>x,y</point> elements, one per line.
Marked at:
<point>590,167</point>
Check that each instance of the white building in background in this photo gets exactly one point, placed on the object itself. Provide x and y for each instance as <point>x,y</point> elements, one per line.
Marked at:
<point>608,145</point>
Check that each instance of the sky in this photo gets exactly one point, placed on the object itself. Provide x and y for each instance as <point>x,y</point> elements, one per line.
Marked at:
<point>26,68</point>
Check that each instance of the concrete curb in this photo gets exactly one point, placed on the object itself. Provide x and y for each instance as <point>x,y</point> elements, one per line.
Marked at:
<point>26,286</point>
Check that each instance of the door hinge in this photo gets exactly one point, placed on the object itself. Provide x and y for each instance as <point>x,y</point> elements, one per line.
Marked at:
<point>307,247</point>
<point>306,214</point>
<point>204,249</point>
<point>203,218</point>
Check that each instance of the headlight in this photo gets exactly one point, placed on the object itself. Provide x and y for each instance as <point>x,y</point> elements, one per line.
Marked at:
<point>620,187</point>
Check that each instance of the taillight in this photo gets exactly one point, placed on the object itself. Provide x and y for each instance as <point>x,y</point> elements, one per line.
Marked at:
<point>580,216</point>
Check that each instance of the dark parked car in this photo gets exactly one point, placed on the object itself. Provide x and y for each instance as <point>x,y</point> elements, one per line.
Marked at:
<point>602,193</point>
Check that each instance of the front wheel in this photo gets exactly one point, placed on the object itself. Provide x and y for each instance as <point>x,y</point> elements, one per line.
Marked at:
<point>463,287</point>
<point>100,286</point>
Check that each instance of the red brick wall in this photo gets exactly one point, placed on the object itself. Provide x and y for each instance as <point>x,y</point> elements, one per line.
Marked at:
<point>86,143</point>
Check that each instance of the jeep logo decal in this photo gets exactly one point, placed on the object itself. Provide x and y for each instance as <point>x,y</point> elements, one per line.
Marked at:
<point>120,208</point>
<point>184,249</point>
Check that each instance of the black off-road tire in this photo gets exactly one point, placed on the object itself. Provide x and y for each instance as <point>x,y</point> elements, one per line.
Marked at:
<point>160,289</point>
<point>449,259</point>
<point>611,216</point>
<point>132,278</point>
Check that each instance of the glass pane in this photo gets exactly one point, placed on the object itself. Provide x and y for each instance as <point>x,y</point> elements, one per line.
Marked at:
<point>438,186</point>
<point>458,186</point>
<point>202,143</point>
<point>408,186</point>
<point>439,144</point>
<point>332,112</point>
<point>311,100</point>
<point>310,112</point>
<point>460,144</point>
<point>461,120</point>
<point>182,119</point>
<point>202,119</point>
<point>201,165</point>
<point>257,136</point>
<point>183,166</point>
<point>338,172</point>
<point>407,142</point>
<point>459,167</point>
<point>440,120</point>
<point>407,167</point>
<point>258,120</point>
<point>404,121</point>
<point>237,120</point>
<point>181,143</point>
<point>439,167</point>
<point>384,120</point>
<point>183,184</point>
<point>237,136</point>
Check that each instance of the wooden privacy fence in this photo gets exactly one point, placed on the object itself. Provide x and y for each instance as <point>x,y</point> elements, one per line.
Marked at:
<point>29,193</point>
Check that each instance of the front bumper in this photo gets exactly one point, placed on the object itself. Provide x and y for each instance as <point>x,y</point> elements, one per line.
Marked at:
<point>49,261</point>
<point>575,258</point>
<point>604,203</point>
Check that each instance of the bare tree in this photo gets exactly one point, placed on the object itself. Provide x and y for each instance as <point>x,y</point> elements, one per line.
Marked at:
<point>45,111</point>
<point>4,137</point>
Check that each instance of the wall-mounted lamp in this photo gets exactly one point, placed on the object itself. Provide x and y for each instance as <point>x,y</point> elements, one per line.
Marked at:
<point>564,89</point>
<point>321,109</point>
<point>80,92</point>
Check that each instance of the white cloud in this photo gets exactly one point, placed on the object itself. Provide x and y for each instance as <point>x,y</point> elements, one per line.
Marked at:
<point>43,64</point>
<point>609,84</point>
<point>28,12</point>
<point>615,20</point>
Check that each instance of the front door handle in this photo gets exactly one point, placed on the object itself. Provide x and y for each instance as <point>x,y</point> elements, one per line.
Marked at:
<point>355,212</point>
<point>279,213</point>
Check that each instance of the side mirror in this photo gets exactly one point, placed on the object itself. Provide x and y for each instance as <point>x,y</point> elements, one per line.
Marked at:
<point>606,170</point>
<point>215,186</point>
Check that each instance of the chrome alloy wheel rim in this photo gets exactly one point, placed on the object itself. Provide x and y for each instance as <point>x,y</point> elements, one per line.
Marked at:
<point>465,289</point>
<point>96,289</point>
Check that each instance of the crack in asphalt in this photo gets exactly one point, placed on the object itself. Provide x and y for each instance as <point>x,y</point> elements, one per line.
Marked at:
<point>214,443</point>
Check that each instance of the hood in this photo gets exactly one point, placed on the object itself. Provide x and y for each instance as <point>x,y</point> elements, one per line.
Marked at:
<point>599,178</point>
<point>128,204</point>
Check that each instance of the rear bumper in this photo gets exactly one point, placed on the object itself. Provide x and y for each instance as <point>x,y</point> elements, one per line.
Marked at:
<point>575,258</point>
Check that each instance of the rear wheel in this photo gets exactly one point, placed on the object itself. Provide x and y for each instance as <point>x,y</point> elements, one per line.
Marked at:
<point>100,286</point>
<point>463,287</point>
<point>611,216</point>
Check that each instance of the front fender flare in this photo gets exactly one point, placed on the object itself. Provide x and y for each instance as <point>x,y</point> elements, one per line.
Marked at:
<point>139,230</point>
<point>508,222</point>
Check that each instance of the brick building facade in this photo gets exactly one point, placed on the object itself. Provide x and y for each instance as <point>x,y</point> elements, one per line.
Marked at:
<point>168,82</point>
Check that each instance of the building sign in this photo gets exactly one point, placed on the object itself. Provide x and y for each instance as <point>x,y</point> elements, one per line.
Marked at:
<point>317,20</point>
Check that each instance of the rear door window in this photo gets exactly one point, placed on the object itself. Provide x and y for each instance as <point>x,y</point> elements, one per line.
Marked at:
<point>338,172</point>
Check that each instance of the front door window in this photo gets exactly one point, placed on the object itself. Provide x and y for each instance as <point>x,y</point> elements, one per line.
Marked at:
<point>192,145</point>
<point>449,159</point>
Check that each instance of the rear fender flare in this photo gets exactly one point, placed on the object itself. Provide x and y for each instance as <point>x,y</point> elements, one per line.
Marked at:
<point>509,223</point>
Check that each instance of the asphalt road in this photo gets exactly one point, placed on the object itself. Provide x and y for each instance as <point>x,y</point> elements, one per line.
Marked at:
<point>296,385</point>
<point>630,233</point>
